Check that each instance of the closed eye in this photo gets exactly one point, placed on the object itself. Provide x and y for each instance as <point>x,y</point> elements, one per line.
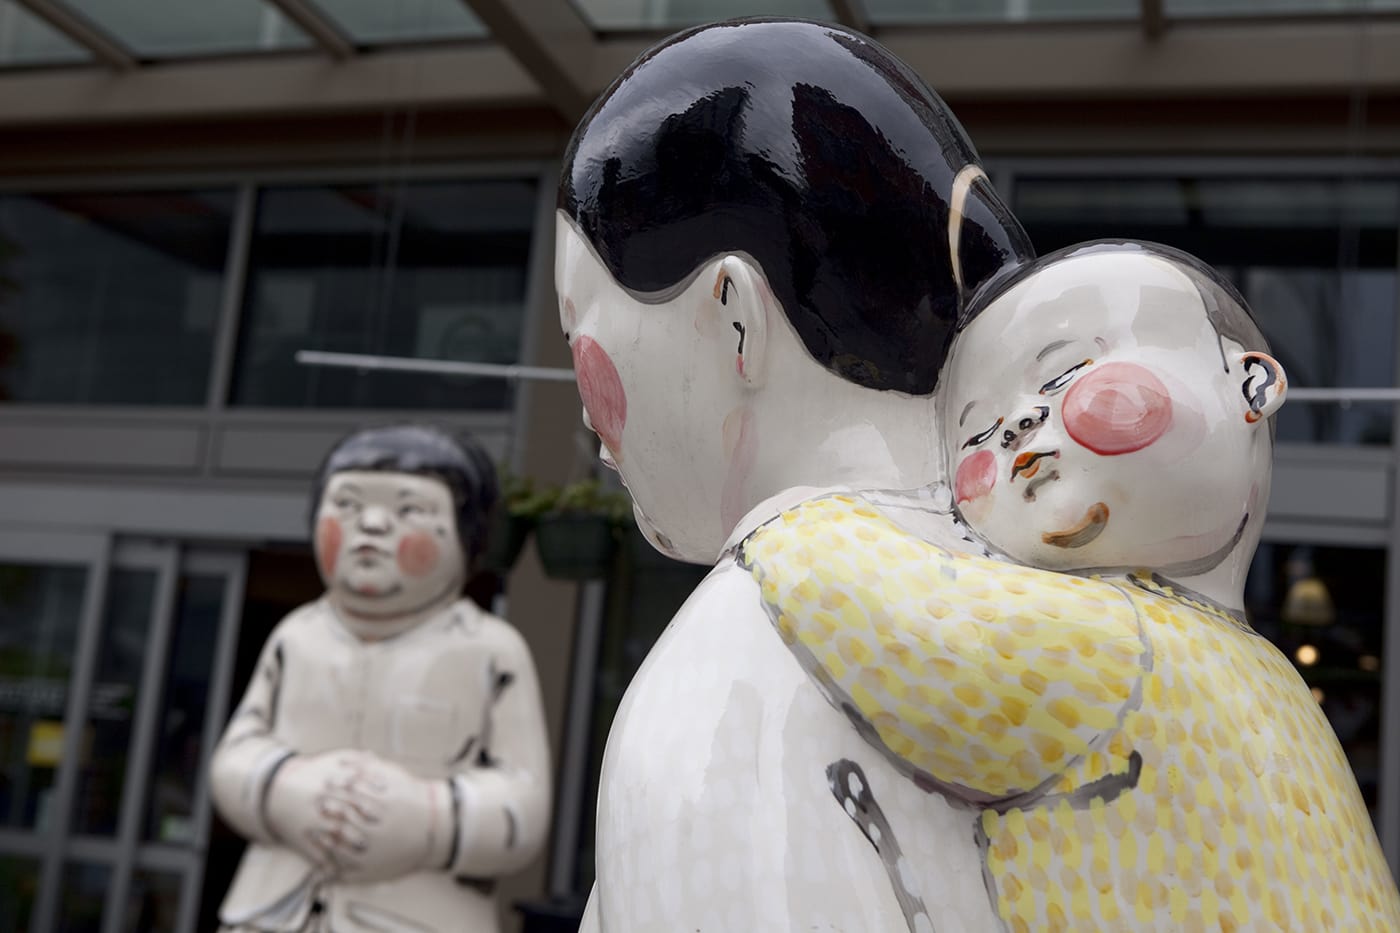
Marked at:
<point>1063,379</point>
<point>979,438</point>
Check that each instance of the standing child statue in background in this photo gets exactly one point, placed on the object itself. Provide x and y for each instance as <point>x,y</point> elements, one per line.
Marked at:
<point>389,760</point>
<point>1030,703</point>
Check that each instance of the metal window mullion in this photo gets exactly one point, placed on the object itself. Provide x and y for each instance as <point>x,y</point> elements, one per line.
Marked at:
<point>144,723</point>
<point>231,300</point>
<point>225,650</point>
<point>539,283</point>
<point>74,720</point>
<point>14,842</point>
<point>1388,780</point>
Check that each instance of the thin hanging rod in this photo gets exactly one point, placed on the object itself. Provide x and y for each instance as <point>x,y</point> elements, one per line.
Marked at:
<point>405,364</point>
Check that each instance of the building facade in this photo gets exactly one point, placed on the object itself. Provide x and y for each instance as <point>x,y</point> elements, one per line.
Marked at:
<point>191,193</point>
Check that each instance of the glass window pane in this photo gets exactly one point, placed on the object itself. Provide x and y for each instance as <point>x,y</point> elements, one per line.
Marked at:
<point>110,298</point>
<point>1324,608</point>
<point>669,14</point>
<point>433,270</point>
<point>19,880</point>
<point>154,903</point>
<point>27,40</point>
<point>84,890</point>
<point>373,21</point>
<point>180,733</point>
<point>1314,257</point>
<point>1268,7</point>
<point>126,619</point>
<point>892,12</point>
<point>40,612</point>
<point>162,28</point>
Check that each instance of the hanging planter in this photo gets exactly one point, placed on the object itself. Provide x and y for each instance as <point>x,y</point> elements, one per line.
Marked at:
<point>505,541</point>
<point>520,508</point>
<point>577,539</point>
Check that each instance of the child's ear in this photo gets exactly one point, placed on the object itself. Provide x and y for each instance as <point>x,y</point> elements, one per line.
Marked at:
<point>743,297</point>
<point>1264,386</point>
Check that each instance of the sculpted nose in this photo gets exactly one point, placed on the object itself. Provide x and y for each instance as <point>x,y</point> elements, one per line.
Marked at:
<point>1022,424</point>
<point>374,519</point>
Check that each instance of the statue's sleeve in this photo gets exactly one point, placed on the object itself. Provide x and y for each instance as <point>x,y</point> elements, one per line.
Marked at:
<point>979,677</point>
<point>249,753</point>
<point>501,792</point>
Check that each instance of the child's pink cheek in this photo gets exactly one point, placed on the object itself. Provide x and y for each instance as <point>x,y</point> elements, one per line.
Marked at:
<point>418,554</point>
<point>328,535</point>
<point>1117,408</point>
<point>976,476</point>
<point>601,390</point>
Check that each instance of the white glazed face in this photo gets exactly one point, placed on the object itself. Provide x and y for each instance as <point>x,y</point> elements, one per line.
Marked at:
<point>386,543</point>
<point>1090,421</point>
<point>662,387</point>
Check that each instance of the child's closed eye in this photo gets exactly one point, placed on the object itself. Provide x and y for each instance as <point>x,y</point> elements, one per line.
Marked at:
<point>1063,379</point>
<point>980,438</point>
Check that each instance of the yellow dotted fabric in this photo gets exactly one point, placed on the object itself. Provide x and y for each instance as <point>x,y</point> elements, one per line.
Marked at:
<point>1143,762</point>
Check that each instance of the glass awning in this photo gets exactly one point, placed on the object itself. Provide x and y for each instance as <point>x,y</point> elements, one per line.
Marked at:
<point>27,40</point>
<point>370,22</point>
<point>178,28</point>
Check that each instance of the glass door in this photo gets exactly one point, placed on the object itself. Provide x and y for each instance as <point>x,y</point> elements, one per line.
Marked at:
<point>114,668</point>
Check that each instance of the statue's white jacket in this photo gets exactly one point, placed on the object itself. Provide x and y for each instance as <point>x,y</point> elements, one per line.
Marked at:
<point>455,698</point>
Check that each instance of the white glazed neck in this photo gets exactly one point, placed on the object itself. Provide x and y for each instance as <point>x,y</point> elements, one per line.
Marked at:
<point>374,630</point>
<point>822,432</point>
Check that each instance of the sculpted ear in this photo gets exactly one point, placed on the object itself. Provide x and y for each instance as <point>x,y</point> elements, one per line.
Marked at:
<point>1264,386</point>
<point>744,299</point>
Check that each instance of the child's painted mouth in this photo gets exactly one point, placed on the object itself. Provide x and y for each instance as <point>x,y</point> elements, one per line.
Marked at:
<point>1027,464</point>
<point>1089,528</point>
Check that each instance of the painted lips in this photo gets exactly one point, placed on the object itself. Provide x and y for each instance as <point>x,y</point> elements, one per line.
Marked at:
<point>1027,464</point>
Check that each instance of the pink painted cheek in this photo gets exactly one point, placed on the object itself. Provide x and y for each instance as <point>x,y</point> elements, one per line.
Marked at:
<point>1117,408</point>
<point>601,390</point>
<point>976,476</point>
<point>418,554</point>
<point>328,538</point>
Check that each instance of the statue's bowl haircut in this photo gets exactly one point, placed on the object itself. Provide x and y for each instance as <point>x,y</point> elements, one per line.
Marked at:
<point>819,155</point>
<point>458,461</point>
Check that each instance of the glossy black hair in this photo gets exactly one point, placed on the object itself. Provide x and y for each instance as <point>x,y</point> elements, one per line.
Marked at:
<point>817,153</point>
<point>423,450</point>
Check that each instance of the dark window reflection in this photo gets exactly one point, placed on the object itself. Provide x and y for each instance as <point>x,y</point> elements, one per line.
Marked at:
<point>645,591</point>
<point>154,903</point>
<point>19,883</point>
<point>1324,608</point>
<point>40,611</point>
<point>1315,258</point>
<point>97,804</point>
<point>84,890</point>
<point>431,270</point>
<point>170,809</point>
<point>110,299</point>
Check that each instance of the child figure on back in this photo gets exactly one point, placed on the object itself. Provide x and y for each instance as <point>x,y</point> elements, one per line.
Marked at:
<point>1131,754</point>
